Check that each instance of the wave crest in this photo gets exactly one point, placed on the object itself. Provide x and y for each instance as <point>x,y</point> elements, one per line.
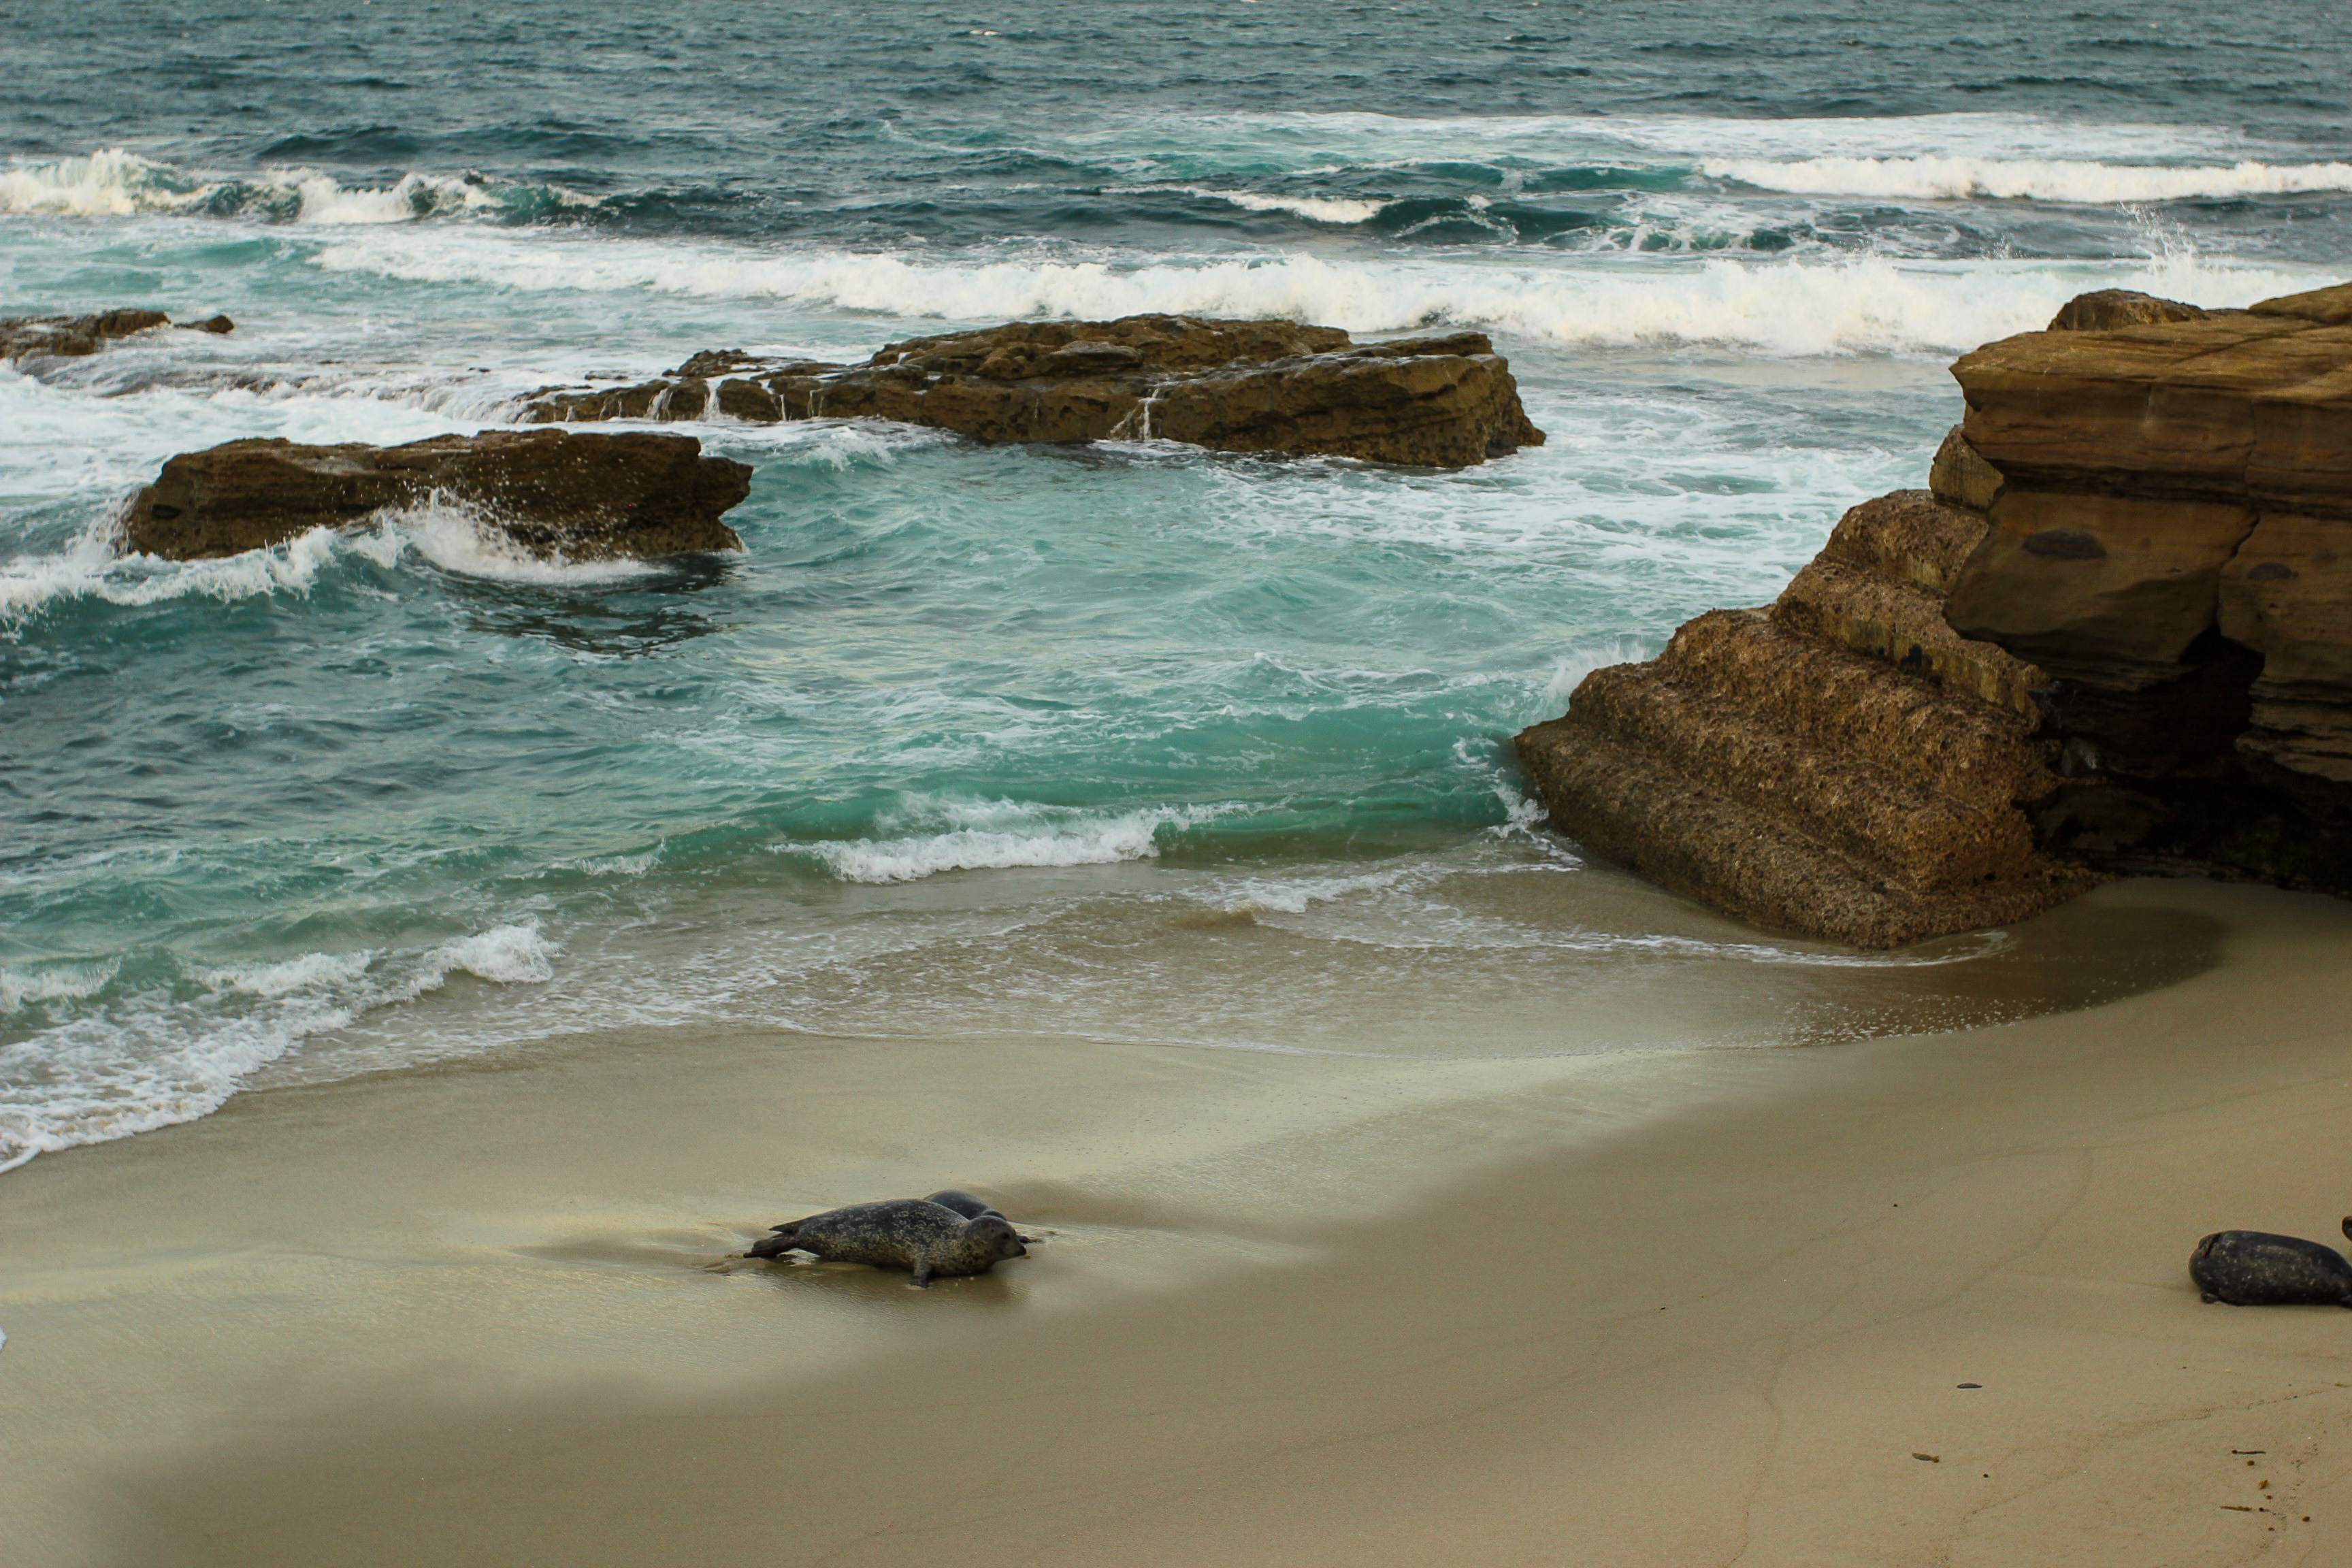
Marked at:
<point>117,183</point>
<point>176,1045</point>
<point>1940,178</point>
<point>973,836</point>
<point>1851,305</point>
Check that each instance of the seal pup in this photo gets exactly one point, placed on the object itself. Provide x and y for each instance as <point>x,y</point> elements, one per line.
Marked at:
<point>2254,1269</point>
<point>914,1234</point>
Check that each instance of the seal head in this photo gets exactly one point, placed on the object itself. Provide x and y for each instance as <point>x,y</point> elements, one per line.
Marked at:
<point>925,1239</point>
<point>2254,1269</point>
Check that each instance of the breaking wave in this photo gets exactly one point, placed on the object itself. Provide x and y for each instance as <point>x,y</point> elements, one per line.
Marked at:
<point>2036,179</point>
<point>1319,209</point>
<point>1860,304</point>
<point>447,537</point>
<point>106,1061</point>
<point>971,836</point>
<point>115,183</point>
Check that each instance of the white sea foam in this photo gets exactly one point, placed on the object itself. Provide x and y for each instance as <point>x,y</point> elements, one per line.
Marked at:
<point>160,1056</point>
<point>509,955</point>
<point>116,183</point>
<point>974,835</point>
<point>1360,138</point>
<point>456,539</point>
<point>108,184</point>
<point>90,569</point>
<point>312,971</point>
<point>1320,209</point>
<point>61,983</point>
<point>1858,304</point>
<point>1297,894</point>
<point>2038,179</point>
<point>448,537</point>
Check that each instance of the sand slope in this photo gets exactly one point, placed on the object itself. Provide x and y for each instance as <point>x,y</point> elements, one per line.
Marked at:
<point>1697,1309</point>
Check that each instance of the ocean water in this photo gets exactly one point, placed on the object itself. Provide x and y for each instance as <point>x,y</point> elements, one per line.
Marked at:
<point>1123,742</point>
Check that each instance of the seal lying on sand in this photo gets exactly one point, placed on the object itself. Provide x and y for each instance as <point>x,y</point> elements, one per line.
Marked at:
<point>915,1234</point>
<point>966,1204</point>
<point>2254,1269</point>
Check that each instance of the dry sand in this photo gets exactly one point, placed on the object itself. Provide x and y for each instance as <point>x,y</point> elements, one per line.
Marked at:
<point>1689,1309</point>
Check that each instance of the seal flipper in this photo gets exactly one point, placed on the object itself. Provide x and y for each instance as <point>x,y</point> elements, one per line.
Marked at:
<point>922,1280</point>
<point>779,1244</point>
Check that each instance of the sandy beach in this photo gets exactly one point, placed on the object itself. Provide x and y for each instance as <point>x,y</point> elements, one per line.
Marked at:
<point>1720,1305</point>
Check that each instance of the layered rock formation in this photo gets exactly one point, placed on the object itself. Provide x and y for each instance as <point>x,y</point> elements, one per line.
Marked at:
<point>2165,543</point>
<point>67,337</point>
<point>553,493</point>
<point>1241,386</point>
<point>2117,636</point>
<point>1841,763</point>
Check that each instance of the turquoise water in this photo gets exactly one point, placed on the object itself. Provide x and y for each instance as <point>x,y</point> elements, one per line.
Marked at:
<point>1128,740</point>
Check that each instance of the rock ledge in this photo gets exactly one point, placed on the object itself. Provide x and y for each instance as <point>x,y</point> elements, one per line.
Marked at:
<point>1239,386</point>
<point>553,493</point>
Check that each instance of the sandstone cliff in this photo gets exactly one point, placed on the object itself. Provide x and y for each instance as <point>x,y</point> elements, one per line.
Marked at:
<point>2115,637</point>
<point>1241,386</point>
<point>587,496</point>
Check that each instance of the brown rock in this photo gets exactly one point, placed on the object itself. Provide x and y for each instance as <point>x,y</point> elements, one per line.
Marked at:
<point>2107,309</point>
<point>22,337</point>
<point>2115,636</point>
<point>2105,584</point>
<point>2329,307</point>
<point>576,497</point>
<point>1245,386</point>
<point>2287,595</point>
<point>1960,477</point>
<point>1843,765</point>
<point>1878,585</point>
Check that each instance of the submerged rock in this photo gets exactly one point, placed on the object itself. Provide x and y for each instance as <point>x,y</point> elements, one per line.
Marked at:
<point>1239,386</point>
<point>69,337</point>
<point>2114,636</point>
<point>553,493</point>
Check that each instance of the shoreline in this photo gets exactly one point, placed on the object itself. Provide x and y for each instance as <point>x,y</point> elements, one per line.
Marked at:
<point>1693,1307</point>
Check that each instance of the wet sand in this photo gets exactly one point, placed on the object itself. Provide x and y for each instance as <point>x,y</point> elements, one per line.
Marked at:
<point>1674,1308</point>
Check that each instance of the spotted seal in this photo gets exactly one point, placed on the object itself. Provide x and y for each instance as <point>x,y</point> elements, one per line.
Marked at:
<point>966,1204</point>
<point>2254,1269</point>
<point>924,1237</point>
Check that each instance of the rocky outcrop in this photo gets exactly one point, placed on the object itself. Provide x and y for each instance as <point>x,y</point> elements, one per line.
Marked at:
<point>553,493</point>
<point>2106,309</point>
<point>1841,763</point>
<point>1240,386</point>
<point>2165,544</point>
<point>2115,637</point>
<point>69,337</point>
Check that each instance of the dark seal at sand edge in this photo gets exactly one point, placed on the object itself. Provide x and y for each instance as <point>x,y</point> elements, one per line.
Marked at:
<point>926,1238</point>
<point>2255,1268</point>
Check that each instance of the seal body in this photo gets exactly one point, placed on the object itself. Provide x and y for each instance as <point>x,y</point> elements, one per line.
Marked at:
<point>915,1234</point>
<point>2254,1269</point>
<point>965,1203</point>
